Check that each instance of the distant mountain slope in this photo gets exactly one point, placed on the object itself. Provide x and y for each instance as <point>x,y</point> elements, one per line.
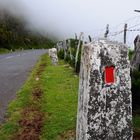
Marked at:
<point>14,34</point>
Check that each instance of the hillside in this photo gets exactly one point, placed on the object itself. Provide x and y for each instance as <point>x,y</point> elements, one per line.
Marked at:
<point>15,35</point>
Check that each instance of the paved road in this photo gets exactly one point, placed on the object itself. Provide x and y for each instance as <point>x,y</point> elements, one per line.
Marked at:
<point>14,70</point>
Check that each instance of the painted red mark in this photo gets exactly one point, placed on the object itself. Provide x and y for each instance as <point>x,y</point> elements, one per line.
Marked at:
<point>109,75</point>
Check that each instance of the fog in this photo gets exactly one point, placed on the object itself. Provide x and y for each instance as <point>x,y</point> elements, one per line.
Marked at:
<point>64,18</point>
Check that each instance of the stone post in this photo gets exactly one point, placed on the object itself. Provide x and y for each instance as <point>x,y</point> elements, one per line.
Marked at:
<point>135,61</point>
<point>69,49</point>
<point>65,48</point>
<point>53,56</point>
<point>105,101</point>
<point>78,48</point>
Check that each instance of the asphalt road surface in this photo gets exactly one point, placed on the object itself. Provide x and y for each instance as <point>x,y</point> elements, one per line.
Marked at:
<point>14,70</point>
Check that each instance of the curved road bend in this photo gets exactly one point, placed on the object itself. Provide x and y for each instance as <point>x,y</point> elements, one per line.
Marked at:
<point>14,70</point>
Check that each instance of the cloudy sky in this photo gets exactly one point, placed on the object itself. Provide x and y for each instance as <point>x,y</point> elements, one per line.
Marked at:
<point>66,17</point>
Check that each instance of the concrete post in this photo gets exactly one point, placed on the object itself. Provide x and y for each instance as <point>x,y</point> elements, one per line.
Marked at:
<point>69,49</point>
<point>65,48</point>
<point>135,61</point>
<point>53,56</point>
<point>78,48</point>
<point>105,102</point>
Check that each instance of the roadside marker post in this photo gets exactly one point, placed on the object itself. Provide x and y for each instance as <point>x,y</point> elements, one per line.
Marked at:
<point>105,100</point>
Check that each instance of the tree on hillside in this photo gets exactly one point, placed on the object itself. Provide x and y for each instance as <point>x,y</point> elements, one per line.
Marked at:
<point>13,34</point>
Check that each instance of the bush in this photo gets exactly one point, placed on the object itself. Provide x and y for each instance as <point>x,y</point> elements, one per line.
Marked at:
<point>73,44</point>
<point>130,54</point>
<point>61,54</point>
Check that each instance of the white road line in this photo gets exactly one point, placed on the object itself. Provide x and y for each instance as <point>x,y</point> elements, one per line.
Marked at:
<point>9,57</point>
<point>23,53</point>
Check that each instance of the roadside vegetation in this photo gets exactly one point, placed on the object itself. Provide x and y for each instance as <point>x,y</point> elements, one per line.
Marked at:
<point>2,51</point>
<point>130,54</point>
<point>71,52</point>
<point>135,77</point>
<point>60,86</point>
<point>136,101</point>
<point>46,106</point>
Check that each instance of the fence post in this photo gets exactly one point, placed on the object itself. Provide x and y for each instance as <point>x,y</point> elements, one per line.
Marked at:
<point>65,48</point>
<point>90,39</point>
<point>78,48</point>
<point>107,31</point>
<point>69,44</point>
<point>105,102</point>
<point>125,30</point>
<point>75,36</point>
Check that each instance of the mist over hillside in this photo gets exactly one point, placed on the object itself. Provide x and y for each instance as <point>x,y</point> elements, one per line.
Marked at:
<point>15,34</point>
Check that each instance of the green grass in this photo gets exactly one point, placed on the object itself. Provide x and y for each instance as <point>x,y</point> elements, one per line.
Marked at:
<point>2,51</point>
<point>136,123</point>
<point>14,113</point>
<point>60,86</point>
<point>59,101</point>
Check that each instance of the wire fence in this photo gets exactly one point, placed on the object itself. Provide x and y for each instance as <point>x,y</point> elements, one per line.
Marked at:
<point>116,33</point>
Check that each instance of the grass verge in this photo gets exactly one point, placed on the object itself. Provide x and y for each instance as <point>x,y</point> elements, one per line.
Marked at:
<point>136,122</point>
<point>136,125</point>
<point>60,86</point>
<point>45,107</point>
<point>2,51</point>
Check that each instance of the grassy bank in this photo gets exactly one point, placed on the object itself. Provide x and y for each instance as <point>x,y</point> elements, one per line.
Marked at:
<point>47,102</point>
<point>2,51</point>
<point>60,86</point>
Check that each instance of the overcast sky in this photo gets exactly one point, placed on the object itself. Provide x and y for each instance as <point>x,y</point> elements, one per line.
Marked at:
<point>66,17</point>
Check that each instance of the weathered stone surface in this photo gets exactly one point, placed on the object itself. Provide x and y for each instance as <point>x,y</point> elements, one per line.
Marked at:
<point>104,109</point>
<point>53,56</point>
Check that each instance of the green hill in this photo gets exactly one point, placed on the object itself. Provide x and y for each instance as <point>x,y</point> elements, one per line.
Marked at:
<point>15,35</point>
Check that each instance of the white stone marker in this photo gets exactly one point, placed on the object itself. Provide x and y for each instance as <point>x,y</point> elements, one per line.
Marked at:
<point>105,101</point>
<point>53,56</point>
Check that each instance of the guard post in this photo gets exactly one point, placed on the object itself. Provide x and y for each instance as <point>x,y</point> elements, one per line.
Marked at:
<point>105,101</point>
